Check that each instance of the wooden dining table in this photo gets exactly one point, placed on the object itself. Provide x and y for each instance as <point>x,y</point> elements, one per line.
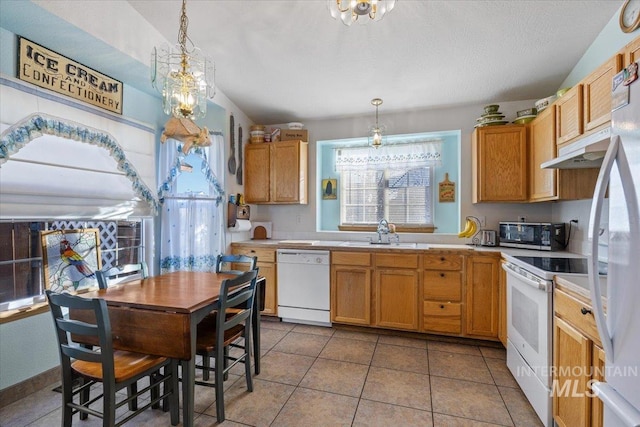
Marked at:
<point>159,315</point>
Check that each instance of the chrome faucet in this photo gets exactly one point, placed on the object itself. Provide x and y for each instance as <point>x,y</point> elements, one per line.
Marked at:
<point>383,228</point>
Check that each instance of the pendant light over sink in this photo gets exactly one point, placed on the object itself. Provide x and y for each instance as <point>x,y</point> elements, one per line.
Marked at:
<point>376,133</point>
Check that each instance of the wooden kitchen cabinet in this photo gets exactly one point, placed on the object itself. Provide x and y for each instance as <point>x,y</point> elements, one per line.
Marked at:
<point>482,302</point>
<point>276,173</point>
<point>396,291</point>
<point>569,119</point>
<point>351,288</point>
<point>554,184</point>
<point>631,52</point>
<point>577,359</point>
<point>267,268</point>
<point>499,164</point>
<point>542,147</point>
<point>597,93</point>
<point>442,293</point>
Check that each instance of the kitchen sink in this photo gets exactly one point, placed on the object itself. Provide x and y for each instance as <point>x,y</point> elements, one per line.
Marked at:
<point>364,244</point>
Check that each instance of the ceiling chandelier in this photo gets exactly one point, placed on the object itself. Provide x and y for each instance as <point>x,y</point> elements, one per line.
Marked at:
<point>376,133</point>
<point>183,75</point>
<point>349,11</point>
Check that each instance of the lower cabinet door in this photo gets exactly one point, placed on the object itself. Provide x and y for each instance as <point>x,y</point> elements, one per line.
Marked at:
<point>351,295</point>
<point>396,296</point>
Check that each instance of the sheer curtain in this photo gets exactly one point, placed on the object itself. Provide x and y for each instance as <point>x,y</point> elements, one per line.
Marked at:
<point>192,228</point>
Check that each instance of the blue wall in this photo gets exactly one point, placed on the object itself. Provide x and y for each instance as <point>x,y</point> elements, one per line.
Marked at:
<point>446,214</point>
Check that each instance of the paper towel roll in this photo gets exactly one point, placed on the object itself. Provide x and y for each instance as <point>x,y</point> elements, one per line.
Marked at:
<point>241,225</point>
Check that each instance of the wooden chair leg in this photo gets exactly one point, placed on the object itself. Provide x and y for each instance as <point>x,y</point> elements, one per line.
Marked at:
<point>132,390</point>
<point>156,377</point>
<point>206,364</point>
<point>84,398</point>
<point>174,401</point>
<point>219,386</point>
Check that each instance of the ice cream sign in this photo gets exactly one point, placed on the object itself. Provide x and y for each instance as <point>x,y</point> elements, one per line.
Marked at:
<point>50,70</point>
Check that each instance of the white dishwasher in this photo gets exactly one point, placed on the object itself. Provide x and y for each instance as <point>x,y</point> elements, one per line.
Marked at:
<point>303,286</point>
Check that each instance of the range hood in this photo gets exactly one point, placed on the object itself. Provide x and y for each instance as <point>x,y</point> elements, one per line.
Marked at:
<point>586,152</point>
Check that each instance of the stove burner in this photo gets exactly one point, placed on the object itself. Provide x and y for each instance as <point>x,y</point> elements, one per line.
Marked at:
<point>557,265</point>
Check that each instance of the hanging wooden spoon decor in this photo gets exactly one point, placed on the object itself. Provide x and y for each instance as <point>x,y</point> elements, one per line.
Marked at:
<point>240,160</point>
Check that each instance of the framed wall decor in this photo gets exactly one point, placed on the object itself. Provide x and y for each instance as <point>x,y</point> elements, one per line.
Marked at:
<point>70,259</point>
<point>329,189</point>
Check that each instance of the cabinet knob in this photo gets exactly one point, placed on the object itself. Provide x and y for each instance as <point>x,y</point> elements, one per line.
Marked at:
<point>442,258</point>
<point>585,311</point>
<point>252,251</point>
<point>441,305</point>
<point>441,274</point>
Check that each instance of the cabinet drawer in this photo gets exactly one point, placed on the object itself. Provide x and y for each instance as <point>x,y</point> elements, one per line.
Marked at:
<point>351,258</point>
<point>397,260</point>
<point>442,317</point>
<point>442,262</point>
<point>263,254</point>
<point>442,285</point>
<point>570,310</point>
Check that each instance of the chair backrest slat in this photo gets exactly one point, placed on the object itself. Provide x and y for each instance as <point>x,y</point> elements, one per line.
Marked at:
<point>68,330</point>
<point>122,274</point>
<point>246,261</point>
<point>238,293</point>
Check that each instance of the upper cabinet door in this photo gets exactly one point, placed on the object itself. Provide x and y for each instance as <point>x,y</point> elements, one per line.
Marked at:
<point>543,182</point>
<point>631,52</point>
<point>499,164</point>
<point>569,115</point>
<point>597,93</point>
<point>257,160</point>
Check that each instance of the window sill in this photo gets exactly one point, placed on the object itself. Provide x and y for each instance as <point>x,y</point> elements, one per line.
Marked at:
<point>399,228</point>
<point>23,312</point>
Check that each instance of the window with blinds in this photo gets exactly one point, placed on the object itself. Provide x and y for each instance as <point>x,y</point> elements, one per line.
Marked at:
<point>401,196</point>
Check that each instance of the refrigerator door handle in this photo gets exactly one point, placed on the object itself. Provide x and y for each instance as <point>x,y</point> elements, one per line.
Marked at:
<point>594,226</point>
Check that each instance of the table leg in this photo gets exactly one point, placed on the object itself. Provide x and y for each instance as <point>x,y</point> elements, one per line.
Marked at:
<point>255,323</point>
<point>188,391</point>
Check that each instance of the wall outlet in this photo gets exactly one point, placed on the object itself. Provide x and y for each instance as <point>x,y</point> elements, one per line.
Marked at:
<point>522,218</point>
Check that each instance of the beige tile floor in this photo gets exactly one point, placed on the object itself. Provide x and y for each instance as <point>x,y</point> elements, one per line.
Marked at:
<point>313,376</point>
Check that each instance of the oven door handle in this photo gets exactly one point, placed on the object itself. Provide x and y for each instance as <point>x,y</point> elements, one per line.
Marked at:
<point>526,280</point>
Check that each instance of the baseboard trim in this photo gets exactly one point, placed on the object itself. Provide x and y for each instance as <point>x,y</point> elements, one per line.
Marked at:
<point>31,385</point>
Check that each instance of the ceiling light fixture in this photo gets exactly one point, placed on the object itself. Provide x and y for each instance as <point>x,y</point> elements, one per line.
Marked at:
<point>349,11</point>
<point>183,75</point>
<point>376,135</point>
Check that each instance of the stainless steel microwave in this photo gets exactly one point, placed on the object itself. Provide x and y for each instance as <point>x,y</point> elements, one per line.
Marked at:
<point>543,236</point>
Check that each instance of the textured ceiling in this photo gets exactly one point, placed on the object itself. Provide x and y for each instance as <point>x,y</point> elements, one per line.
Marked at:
<point>288,60</point>
<point>281,61</point>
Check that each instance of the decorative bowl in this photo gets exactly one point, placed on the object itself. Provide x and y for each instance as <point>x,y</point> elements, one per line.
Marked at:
<point>524,120</point>
<point>528,112</point>
<point>543,103</point>
<point>491,109</point>
<point>562,91</point>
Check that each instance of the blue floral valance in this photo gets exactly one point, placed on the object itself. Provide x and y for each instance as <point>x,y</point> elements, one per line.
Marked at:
<point>392,156</point>
<point>36,125</point>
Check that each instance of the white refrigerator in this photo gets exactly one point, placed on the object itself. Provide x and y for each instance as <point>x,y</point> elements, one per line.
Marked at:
<point>619,326</point>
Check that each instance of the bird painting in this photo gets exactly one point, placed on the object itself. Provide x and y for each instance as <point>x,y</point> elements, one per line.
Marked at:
<point>78,269</point>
